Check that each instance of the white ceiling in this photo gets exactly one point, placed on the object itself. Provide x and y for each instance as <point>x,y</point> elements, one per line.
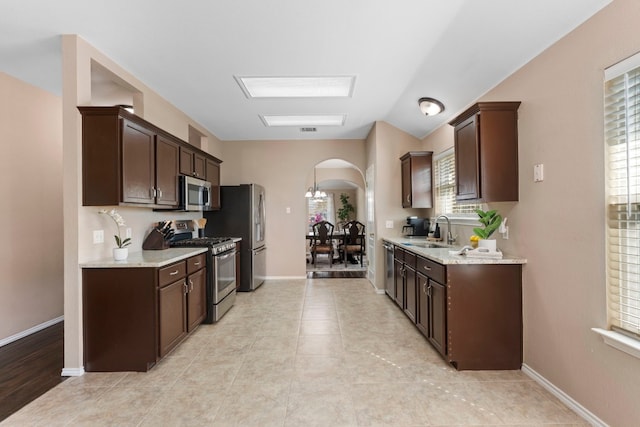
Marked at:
<point>399,51</point>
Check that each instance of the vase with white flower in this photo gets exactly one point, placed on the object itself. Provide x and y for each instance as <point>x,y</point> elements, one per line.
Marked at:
<point>122,251</point>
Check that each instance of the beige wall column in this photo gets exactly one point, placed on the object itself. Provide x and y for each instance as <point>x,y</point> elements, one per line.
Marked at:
<point>386,144</point>
<point>76,91</point>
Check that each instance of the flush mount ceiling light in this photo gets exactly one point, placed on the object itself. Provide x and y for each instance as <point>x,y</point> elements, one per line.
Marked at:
<point>304,121</point>
<point>430,106</point>
<point>297,87</point>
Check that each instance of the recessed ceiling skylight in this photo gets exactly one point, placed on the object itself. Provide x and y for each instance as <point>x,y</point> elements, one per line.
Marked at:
<point>305,121</point>
<point>297,87</point>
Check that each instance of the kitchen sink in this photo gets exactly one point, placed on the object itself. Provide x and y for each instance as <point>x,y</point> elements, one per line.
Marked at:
<point>424,245</point>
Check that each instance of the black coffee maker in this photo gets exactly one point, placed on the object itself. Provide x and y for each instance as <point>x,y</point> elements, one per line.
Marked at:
<point>416,226</point>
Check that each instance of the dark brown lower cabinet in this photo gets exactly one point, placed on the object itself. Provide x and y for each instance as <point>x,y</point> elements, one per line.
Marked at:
<point>470,313</point>
<point>484,316</point>
<point>432,304</point>
<point>398,278</point>
<point>410,301</point>
<point>196,299</point>
<point>437,307</point>
<point>120,307</point>
<point>172,315</point>
<point>422,313</point>
<point>135,316</point>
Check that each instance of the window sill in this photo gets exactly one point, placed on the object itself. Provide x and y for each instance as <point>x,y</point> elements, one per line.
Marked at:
<point>621,342</point>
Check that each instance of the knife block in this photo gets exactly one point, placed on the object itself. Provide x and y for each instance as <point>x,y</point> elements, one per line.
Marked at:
<point>154,241</point>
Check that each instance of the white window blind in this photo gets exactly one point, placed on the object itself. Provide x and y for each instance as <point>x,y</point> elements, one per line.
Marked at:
<point>444,172</point>
<point>622,141</point>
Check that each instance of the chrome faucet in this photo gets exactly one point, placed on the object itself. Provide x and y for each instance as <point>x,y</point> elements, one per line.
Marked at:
<point>450,239</point>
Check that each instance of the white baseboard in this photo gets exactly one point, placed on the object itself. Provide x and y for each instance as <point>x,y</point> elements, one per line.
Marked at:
<point>72,372</point>
<point>285,277</point>
<point>30,331</point>
<point>564,397</point>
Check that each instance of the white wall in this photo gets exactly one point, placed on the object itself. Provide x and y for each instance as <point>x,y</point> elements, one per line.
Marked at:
<point>558,224</point>
<point>31,263</point>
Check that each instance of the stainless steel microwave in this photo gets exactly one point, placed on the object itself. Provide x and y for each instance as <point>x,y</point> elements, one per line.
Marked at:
<point>195,194</point>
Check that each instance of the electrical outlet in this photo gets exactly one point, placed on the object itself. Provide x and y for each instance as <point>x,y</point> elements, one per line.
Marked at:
<point>98,236</point>
<point>389,224</point>
<point>538,173</point>
<point>128,233</point>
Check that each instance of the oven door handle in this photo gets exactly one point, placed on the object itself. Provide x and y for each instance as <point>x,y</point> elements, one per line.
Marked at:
<point>223,257</point>
<point>262,249</point>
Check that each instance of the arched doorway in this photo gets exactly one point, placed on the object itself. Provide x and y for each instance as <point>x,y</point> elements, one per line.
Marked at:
<point>336,193</point>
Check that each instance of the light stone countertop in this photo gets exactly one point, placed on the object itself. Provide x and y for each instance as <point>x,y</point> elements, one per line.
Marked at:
<point>442,255</point>
<point>142,259</point>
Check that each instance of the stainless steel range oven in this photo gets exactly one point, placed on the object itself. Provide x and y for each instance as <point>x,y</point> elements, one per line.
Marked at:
<point>223,274</point>
<point>221,268</point>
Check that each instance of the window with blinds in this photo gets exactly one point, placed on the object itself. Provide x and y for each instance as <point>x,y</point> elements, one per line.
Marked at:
<point>320,209</point>
<point>622,141</point>
<point>444,173</point>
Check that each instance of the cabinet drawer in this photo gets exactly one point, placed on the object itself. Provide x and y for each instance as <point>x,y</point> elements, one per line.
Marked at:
<point>432,269</point>
<point>171,273</point>
<point>410,259</point>
<point>398,253</point>
<point>195,263</point>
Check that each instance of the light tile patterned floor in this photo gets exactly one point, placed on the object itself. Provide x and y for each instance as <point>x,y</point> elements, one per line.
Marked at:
<point>301,353</point>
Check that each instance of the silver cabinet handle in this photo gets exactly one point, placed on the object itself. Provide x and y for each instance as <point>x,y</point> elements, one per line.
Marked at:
<point>424,288</point>
<point>196,263</point>
<point>159,192</point>
<point>185,288</point>
<point>173,273</point>
<point>408,198</point>
<point>426,267</point>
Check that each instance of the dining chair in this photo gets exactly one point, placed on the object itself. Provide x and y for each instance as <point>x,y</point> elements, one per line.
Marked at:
<point>353,242</point>
<point>322,241</point>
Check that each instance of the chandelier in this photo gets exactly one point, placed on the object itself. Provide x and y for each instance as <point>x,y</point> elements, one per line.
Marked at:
<point>315,191</point>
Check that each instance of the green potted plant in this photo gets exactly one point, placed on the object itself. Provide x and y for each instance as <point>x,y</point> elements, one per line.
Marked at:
<point>344,212</point>
<point>490,221</point>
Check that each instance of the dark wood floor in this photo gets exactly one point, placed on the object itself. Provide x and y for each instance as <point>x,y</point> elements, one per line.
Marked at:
<point>336,274</point>
<point>30,367</point>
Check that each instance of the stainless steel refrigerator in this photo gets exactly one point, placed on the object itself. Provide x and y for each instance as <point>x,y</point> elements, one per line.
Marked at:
<point>242,214</point>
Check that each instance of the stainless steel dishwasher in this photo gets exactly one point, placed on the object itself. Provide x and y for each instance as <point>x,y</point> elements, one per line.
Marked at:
<point>388,269</point>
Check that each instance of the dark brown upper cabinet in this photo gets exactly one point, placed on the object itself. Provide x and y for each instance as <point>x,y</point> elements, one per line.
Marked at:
<point>192,163</point>
<point>129,161</point>
<point>167,159</point>
<point>416,179</point>
<point>212,174</point>
<point>486,152</point>
<point>138,163</point>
